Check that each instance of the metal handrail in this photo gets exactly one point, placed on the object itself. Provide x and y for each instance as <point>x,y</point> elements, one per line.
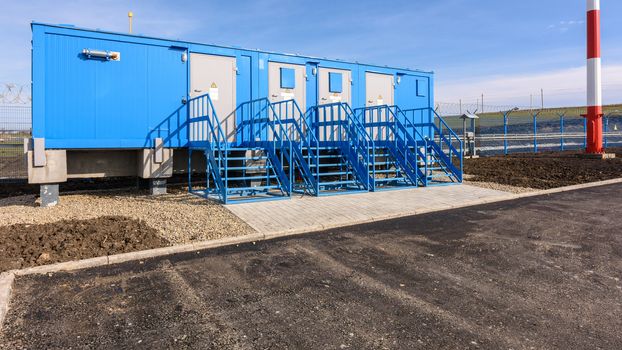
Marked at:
<point>436,128</point>
<point>442,136</point>
<point>398,129</point>
<point>215,137</point>
<point>298,124</point>
<point>279,136</point>
<point>356,134</point>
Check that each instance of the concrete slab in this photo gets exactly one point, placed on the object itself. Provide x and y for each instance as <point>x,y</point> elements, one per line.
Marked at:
<point>306,214</point>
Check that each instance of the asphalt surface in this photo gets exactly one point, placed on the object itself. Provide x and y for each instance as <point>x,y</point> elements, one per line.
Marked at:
<point>535,273</point>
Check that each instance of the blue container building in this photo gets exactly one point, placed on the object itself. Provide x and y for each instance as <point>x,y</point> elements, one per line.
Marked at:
<point>260,125</point>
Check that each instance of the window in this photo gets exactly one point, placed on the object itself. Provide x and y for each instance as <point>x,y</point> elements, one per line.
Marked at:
<point>335,82</point>
<point>288,78</point>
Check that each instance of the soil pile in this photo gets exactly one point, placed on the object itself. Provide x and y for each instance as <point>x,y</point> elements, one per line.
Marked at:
<point>26,245</point>
<point>543,170</point>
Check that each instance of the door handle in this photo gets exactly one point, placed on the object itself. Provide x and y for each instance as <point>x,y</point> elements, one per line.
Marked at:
<point>275,95</point>
<point>196,90</point>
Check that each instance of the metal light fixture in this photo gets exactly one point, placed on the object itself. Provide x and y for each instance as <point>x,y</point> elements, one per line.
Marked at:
<point>104,55</point>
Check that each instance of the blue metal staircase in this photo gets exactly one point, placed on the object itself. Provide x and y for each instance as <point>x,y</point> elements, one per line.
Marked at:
<point>239,171</point>
<point>336,149</point>
<point>277,149</point>
<point>396,152</point>
<point>443,161</point>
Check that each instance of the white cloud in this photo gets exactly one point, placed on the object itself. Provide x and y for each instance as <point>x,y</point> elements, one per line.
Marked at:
<point>564,26</point>
<point>564,87</point>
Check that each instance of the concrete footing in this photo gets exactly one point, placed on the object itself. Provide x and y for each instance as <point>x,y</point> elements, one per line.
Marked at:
<point>49,195</point>
<point>157,186</point>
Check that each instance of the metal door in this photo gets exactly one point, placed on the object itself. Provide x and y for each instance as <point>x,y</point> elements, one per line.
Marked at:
<point>334,86</point>
<point>378,91</point>
<point>331,91</point>
<point>215,75</point>
<point>282,86</point>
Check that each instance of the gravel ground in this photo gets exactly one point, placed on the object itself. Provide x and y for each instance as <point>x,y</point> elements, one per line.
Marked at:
<point>499,187</point>
<point>178,217</point>
<point>468,180</point>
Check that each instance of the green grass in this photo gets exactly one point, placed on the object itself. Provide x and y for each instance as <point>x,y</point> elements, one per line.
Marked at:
<point>526,116</point>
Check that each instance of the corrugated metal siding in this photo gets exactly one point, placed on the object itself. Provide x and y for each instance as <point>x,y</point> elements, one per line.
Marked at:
<point>108,104</point>
<point>112,103</point>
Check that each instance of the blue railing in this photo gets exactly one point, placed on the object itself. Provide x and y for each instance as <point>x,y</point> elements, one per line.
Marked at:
<point>204,131</point>
<point>261,122</point>
<point>303,139</point>
<point>335,125</point>
<point>426,120</point>
<point>386,128</point>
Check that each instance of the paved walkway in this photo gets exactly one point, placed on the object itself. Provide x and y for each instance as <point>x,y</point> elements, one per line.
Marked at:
<point>306,214</point>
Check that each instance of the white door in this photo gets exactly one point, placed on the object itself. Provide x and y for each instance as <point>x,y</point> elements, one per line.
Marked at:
<point>379,91</point>
<point>215,75</point>
<point>334,87</point>
<point>287,82</point>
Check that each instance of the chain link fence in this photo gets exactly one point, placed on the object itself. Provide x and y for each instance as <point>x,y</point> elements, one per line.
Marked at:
<point>15,125</point>
<point>511,129</point>
<point>499,130</point>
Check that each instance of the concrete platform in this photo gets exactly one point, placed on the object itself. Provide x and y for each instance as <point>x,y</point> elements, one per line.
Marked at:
<point>307,214</point>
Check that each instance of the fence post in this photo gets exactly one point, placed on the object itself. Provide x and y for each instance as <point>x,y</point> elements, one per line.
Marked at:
<point>535,133</point>
<point>561,131</point>
<point>606,125</point>
<point>505,133</point>
<point>584,132</point>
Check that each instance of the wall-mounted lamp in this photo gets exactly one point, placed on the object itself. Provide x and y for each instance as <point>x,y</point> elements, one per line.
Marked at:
<point>399,79</point>
<point>104,55</point>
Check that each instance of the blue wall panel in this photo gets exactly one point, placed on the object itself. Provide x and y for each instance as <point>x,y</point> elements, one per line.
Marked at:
<point>86,103</point>
<point>100,103</point>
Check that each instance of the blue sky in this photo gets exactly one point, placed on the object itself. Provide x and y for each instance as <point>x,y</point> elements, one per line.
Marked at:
<point>505,50</point>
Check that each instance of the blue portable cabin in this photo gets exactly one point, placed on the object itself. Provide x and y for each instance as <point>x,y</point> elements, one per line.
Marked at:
<point>98,91</point>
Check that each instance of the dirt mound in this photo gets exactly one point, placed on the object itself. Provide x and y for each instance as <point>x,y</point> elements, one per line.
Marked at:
<point>543,170</point>
<point>26,245</point>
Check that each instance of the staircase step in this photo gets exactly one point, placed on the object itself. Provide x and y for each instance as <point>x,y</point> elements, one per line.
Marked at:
<point>260,167</point>
<point>248,158</point>
<point>335,183</point>
<point>256,177</point>
<point>438,175</point>
<point>328,165</point>
<point>333,173</point>
<point>386,171</point>
<point>254,188</point>
<point>390,179</point>
<point>244,149</point>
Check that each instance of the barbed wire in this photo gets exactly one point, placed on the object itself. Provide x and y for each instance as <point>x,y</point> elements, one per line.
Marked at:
<point>15,94</point>
<point>456,109</point>
<point>449,109</point>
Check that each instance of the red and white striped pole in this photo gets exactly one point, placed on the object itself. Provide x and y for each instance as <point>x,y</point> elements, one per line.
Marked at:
<point>594,82</point>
